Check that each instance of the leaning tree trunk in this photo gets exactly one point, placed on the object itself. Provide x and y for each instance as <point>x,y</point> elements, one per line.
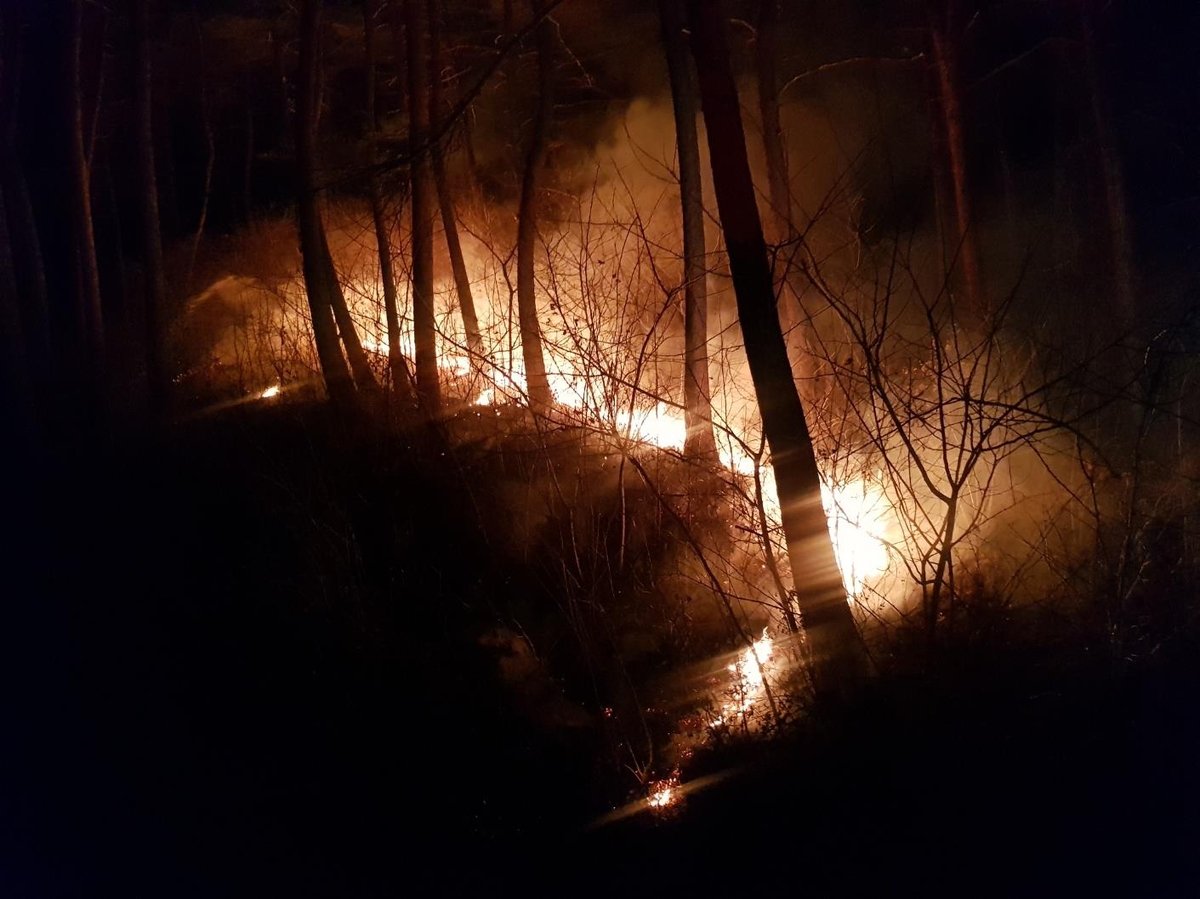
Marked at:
<point>312,232</point>
<point>943,52</point>
<point>462,282</point>
<point>838,660</point>
<point>538,385</point>
<point>360,365</point>
<point>697,397</point>
<point>152,253</point>
<point>778,181</point>
<point>397,367</point>
<point>416,27</point>
<point>89,313</point>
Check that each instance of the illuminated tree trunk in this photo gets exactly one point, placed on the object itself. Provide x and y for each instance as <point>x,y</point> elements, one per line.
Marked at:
<point>462,282</point>
<point>943,51</point>
<point>89,313</point>
<point>1120,244</point>
<point>416,27</point>
<point>397,366</point>
<point>152,254</point>
<point>697,397</point>
<point>531,335</point>
<point>838,661</point>
<point>360,366</point>
<point>313,249</point>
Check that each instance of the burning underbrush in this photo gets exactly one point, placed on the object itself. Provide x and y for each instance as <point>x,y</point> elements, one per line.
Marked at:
<point>654,611</point>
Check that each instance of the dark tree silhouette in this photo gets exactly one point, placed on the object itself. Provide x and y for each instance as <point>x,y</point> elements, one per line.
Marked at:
<point>538,386</point>
<point>838,661</point>
<point>697,397</point>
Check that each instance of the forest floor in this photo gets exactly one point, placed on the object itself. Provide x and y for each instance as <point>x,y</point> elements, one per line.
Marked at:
<point>212,695</point>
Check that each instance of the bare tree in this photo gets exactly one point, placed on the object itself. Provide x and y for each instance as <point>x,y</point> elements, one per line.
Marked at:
<point>397,366</point>
<point>697,397</point>
<point>836,652</point>
<point>945,39</point>
<point>313,247</point>
<point>416,27</point>
<point>538,385</point>
<point>462,282</point>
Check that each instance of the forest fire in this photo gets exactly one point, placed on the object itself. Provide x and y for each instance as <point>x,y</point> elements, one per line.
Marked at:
<point>749,684</point>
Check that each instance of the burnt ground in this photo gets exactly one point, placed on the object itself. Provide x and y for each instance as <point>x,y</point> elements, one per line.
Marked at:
<point>222,679</point>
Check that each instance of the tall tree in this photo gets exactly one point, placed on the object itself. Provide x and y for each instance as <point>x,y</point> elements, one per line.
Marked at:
<point>360,365</point>
<point>152,253</point>
<point>945,41</point>
<point>697,397</point>
<point>397,366</point>
<point>313,248</point>
<point>537,384</point>
<point>837,657</point>
<point>416,29</point>
<point>462,282</point>
<point>89,312</point>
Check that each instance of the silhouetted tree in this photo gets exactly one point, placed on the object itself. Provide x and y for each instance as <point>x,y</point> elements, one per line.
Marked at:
<point>462,282</point>
<point>697,397</point>
<point>837,657</point>
<point>416,29</point>
<point>313,247</point>
<point>538,386</point>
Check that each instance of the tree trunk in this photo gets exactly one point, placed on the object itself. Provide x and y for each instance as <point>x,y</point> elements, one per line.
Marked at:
<point>313,249</point>
<point>697,397</point>
<point>210,154</point>
<point>943,51</point>
<point>538,386</point>
<point>152,253</point>
<point>416,27</point>
<point>462,282</point>
<point>397,367</point>
<point>89,313</point>
<point>838,661</point>
<point>360,365</point>
<point>1120,244</point>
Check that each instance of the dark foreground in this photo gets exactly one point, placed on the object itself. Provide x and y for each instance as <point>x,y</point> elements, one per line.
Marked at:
<point>207,692</point>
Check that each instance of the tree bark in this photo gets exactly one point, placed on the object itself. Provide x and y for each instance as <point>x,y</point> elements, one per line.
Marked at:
<point>313,249</point>
<point>152,253</point>
<point>397,366</point>
<point>89,311</point>
<point>416,27</point>
<point>538,386</point>
<point>838,661</point>
<point>697,397</point>
<point>462,282</point>
<point>943,52</point>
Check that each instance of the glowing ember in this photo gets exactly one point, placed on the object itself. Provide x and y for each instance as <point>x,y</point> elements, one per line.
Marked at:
<point>271,391</point>
<point>663,793</point>
<point>749,686</point>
